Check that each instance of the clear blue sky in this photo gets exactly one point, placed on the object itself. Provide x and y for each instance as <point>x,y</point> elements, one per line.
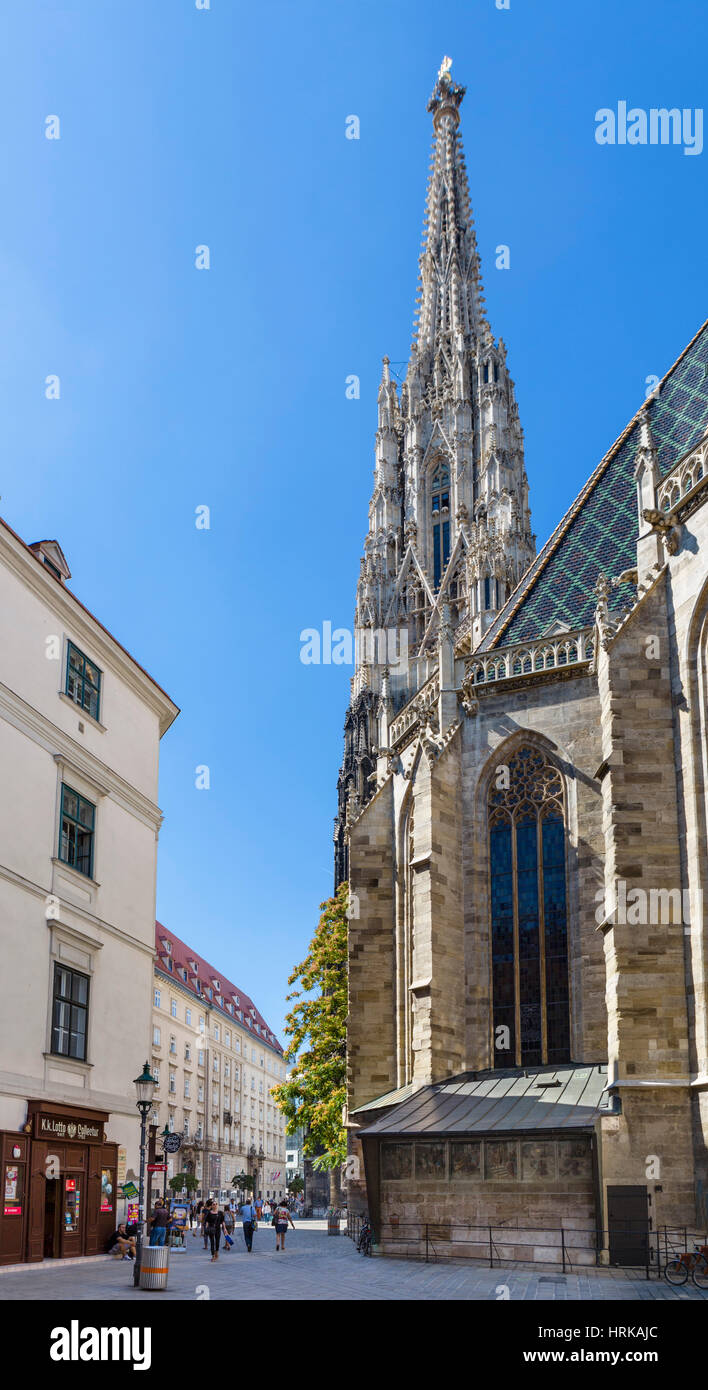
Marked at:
<point>227,387</point>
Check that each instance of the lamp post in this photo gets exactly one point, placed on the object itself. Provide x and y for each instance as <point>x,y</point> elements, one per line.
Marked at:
<point>164,1136</point>
<point>144,1090</point>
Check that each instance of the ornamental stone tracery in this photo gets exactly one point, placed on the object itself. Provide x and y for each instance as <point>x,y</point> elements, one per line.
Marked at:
<point>457,412</point>
<point>531,784</point>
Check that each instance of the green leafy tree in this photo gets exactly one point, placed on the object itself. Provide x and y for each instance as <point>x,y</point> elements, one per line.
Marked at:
<point>182,1182</point>
<point>296,1184</point>
<point>313,1097</point>
<point>244,1181</point>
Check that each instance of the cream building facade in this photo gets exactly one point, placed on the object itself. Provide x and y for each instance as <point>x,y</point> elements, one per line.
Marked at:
<point>80,730</point>
<point>217,1062</point>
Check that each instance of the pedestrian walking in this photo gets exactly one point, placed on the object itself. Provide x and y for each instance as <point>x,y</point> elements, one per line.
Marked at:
<point>204,1232</point>
<point>281,1217</point>
<point>250,1223</point>
<point>259,1207</point>
<point>197,1218</point>
<point>228,1229</point>
<point>213,1222</point>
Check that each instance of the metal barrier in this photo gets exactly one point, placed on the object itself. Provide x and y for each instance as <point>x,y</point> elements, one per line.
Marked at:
<point>354,1221</point>
<point>567,1249</point>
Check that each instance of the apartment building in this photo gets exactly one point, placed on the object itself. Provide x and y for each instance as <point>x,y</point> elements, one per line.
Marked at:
<point>216,1061</point>
<point>80,730</point>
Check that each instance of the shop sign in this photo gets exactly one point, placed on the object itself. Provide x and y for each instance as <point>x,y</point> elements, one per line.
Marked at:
<point>157,1167</point>
<point>12,1211</point>
<point>129,1189</point>
<point>67,1128</point>
<point>122,1165</point>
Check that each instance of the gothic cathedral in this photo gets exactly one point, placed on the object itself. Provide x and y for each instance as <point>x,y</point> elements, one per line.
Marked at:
<point>523,807</point>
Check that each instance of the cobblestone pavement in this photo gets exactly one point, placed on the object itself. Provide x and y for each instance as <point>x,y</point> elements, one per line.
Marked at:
<point>319,1267</point>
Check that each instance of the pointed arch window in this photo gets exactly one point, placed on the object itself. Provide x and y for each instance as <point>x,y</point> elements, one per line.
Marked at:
<point>528,901</point>
<point>440,507</point>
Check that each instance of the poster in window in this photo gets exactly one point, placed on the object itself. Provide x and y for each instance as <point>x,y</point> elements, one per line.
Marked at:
<point>12,1179</point>
<point>500,1160</point>
<point>538,1161</point>
<point>574,1158</point>
<point>106,1189</point>
<point>72,1205</point>
<point>465,1160</point>
<point>13,1190</point>
<point>396,1161</point>
<point>430,1160</point>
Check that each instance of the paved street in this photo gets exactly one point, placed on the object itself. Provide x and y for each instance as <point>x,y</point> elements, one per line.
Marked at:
<point>319,1267</point>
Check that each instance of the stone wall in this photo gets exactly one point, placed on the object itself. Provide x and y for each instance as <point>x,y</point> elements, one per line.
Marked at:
<point>371,1052</point>
<point>648,1047</point>
<point>526,1189</point>
<point>438,984</point>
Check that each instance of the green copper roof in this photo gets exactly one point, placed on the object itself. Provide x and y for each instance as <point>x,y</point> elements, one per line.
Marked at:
<point>599,531</point>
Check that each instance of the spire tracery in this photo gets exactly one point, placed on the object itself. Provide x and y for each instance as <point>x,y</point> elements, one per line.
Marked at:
<point>456,406</point>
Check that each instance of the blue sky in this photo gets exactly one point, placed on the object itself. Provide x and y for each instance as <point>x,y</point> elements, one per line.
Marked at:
<point>226,387</point>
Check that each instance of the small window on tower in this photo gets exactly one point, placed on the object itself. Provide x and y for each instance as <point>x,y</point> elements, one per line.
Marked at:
<point>440,503</point>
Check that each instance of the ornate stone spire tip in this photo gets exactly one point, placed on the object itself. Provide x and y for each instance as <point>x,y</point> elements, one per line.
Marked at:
<point>446,92</point>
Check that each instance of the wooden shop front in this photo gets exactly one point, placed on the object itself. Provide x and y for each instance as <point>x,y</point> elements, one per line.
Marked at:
<point>59,1185</point>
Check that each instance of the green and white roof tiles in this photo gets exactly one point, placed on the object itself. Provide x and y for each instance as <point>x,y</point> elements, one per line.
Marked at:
<point>598,533</point>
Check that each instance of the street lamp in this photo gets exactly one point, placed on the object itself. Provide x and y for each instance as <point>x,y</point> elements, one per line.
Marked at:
<point>144,1090</point>
<point>165,1135</point>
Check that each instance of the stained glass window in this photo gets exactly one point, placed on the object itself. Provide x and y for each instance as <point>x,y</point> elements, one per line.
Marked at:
<point>530,991</point>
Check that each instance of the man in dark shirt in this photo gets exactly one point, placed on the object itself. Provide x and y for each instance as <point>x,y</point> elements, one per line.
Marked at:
<point>158,1229</point>
<point>213,1222</point>
<point>121,1244</point>
<point>248,1217</point>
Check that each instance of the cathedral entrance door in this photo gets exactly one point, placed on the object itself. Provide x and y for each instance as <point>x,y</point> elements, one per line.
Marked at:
<point>628,1225</point>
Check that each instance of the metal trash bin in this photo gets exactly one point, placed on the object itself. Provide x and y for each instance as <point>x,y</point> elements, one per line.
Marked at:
<point>154,1266</point>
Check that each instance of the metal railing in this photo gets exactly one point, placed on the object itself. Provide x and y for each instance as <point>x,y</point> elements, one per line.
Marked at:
<point>567,1249</point>
<point>354,1223</point>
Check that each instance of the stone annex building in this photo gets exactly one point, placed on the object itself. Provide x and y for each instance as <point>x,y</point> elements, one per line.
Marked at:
<point>522,800</point>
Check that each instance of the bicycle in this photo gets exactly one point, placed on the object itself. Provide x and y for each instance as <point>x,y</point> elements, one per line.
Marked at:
<point>693,1262</point>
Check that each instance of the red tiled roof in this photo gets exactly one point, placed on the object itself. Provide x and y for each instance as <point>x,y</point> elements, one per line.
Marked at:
<point>185,957</point>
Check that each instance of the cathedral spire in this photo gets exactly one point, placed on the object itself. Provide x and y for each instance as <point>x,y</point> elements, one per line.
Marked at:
<point>450,287</point>
<point>449,523</point>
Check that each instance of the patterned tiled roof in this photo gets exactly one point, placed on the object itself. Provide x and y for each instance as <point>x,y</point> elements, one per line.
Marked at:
<point>598,533</point>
